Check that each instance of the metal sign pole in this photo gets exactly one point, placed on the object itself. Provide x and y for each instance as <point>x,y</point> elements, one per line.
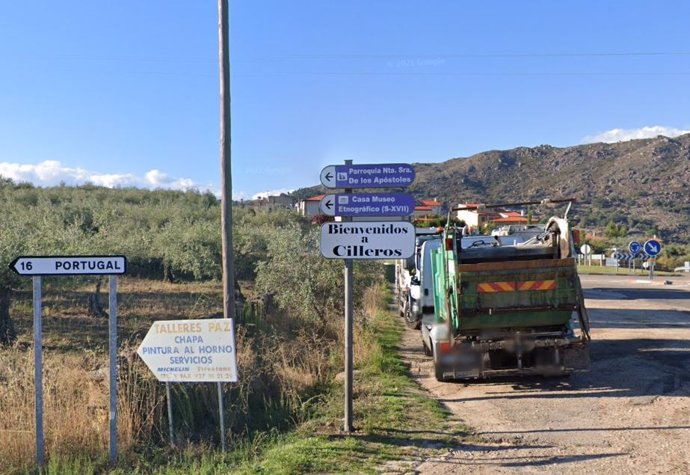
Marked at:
<point>221,417</point>
<point>38,372</point>
<point>112,334</point>
<point>170,414</point>
<point>348,346</point>
<point>347,426</point>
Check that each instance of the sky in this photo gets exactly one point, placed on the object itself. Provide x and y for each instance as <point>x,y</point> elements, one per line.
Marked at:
<point>126,93</point>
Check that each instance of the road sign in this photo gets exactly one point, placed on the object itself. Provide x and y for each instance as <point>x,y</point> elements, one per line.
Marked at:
<point>191,350</point>
<point>367,240</point>
<point>634,247</point>
<point>367,204</point>
<point>69,265</point>
<point>586,249</point>
<point>652,248</point>
<point>389,175</point>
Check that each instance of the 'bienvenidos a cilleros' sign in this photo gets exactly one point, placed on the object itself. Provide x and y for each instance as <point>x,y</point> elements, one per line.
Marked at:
<point>367,240</point>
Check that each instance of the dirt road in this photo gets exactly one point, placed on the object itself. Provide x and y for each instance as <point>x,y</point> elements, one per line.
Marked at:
<point>631,413</point>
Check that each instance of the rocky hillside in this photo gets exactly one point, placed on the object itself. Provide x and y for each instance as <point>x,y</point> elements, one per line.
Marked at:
<point>642,184</point>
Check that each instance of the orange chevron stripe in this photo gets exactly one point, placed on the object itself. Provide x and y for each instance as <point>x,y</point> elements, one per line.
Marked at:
<point>490,287</point>
<point>548,285</point>
<point>537,285</point>
<point>506,286</point>
<point>526,285</point>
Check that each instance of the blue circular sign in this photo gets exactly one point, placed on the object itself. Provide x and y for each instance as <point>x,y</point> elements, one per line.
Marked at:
<point>652,248</point>
<point>634,247</point>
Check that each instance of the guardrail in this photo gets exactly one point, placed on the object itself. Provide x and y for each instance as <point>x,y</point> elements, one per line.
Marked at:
<point>685,268</point>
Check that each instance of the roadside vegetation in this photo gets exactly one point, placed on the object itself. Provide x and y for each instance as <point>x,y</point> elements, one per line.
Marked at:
<point>284,414</point>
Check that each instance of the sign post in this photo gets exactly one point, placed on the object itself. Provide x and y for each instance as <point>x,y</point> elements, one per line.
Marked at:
<point>350,240</point>
<point>191,351</point>
<point>112,334</point>
<point>586,249</point>
<point>652,248</point>
<point>634,247</point>
<point>348,279</point>
<point>37,266</point>
<point>38,372</point>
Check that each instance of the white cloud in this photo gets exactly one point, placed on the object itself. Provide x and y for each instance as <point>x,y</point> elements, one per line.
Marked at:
<point>52,173</point>
<point>621,135</point>
<point>264,194</point>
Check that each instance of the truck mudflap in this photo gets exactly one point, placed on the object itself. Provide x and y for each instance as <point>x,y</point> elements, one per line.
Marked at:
<point>539,357</point>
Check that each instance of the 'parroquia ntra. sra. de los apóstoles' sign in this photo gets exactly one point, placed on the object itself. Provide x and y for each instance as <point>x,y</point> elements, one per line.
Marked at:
<point>191,350</point>
<point>367,240</point>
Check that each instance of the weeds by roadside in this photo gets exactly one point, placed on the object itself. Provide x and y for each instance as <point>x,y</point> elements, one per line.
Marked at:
<point>396,422</point>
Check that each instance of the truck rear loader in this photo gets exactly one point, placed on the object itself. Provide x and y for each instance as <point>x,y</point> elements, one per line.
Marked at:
<point>507,305</point>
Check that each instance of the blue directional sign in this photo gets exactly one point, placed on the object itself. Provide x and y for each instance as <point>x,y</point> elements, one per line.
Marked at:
<point>367,204</point>
<point>634,247</point>
<point>380,175</point>
<point>652,248</point>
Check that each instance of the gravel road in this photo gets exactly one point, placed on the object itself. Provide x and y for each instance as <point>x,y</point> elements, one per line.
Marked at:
<point>630,413</point>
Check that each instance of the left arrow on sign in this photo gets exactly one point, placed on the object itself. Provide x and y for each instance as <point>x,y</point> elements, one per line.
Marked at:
<point>328,176</point>
<point>326,205</point>
<point>21,266</point>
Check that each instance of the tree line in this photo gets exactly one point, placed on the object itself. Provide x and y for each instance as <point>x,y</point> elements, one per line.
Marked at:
<point>164,234</point>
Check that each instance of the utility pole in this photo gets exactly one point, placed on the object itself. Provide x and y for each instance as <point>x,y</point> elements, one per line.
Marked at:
<point>226,172</point>
<point>226,181</point>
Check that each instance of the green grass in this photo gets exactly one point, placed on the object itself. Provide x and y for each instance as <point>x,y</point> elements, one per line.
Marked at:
<point>397,425</point>
<point>395,421</point>
<point>582,269</point>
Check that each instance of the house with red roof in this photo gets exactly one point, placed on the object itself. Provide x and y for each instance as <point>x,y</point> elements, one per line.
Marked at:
<point>309,207</point>
<point>426,208</point>
<point>475,216</point>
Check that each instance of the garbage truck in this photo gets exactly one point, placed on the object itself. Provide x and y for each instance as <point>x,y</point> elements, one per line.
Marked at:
<point>507,304</point>
<point>414,279</point>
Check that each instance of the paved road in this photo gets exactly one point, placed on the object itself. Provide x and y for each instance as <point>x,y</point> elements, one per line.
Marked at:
<point>674,291</point>
<point>629,414</point>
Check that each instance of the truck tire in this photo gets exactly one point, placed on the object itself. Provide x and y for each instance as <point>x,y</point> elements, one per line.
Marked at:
<point>438,372</point>
<point>410,319</point>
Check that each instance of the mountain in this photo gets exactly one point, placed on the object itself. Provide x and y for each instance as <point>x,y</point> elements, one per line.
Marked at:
<point>642,184</point>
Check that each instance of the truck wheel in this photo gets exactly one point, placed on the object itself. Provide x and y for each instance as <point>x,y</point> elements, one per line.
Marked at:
<point>438,372</point>
<point>410,320</point>
<point>427,350</point>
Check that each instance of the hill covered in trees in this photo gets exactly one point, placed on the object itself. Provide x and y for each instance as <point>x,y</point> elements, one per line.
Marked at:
<point>641,185</point>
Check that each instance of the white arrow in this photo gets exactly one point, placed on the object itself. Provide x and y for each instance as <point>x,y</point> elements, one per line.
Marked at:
<point>328,176</point>
<point>327,206</point>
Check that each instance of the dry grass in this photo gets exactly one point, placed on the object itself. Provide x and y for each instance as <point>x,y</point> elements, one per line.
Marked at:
<point>280,362</point>
<point>75,407</point>
<point>375,299</point>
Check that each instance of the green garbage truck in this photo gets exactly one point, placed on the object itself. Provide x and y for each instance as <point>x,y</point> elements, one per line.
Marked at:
<point>508,304</point>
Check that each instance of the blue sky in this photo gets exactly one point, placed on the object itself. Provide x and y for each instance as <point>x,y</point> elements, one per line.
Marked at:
<point>125,92</point>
